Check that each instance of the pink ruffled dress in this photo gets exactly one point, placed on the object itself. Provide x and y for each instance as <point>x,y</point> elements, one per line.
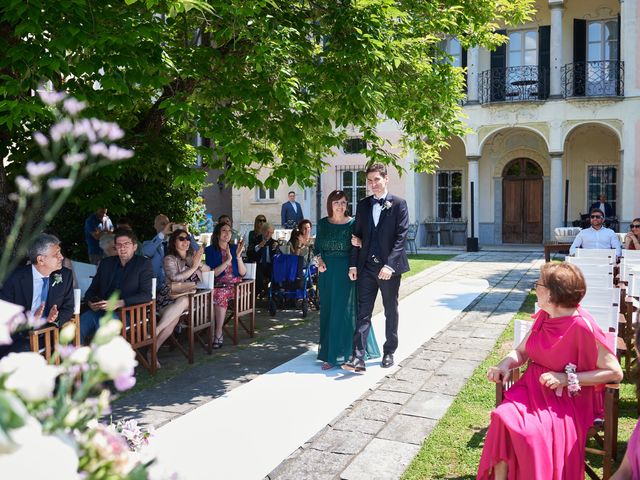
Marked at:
<point>539,434</point>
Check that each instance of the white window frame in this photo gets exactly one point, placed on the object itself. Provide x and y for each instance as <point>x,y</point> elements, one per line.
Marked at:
<point>265,194</point>
<point>598,82</point>
<point>354,189</point>
<point>450,203</point>
<point>602,188</point>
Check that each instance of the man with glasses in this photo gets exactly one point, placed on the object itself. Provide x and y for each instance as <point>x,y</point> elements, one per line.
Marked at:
<point>128,274</point>
<point>596,236</point>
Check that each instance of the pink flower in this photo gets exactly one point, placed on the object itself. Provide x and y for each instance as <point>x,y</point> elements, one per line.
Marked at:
<point>73,158</point>
<point>25,185</point>
<point>40,169</point>
<point>125,381</point>
<point>59,183</point>
<point>51,98</point>
<point>41,139</point>
<point>73,106</point>
<point>60,129</point>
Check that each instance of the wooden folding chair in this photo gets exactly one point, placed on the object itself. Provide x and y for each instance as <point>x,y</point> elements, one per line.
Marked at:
<point>139,329</point>
<point>244,303</point>
<point>198,319</point>
<point>44,341</point>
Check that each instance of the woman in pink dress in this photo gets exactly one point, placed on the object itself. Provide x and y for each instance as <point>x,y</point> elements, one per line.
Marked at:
<point>226,262</point>
<point>539,430</point>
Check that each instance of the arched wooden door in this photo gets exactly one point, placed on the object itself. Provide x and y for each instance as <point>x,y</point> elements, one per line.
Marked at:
<point>522,199</point>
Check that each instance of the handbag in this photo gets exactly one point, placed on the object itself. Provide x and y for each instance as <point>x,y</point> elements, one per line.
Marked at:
<point>180,289</point>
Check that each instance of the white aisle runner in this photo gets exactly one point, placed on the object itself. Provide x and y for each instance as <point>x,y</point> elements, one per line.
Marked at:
<point>246,433</point>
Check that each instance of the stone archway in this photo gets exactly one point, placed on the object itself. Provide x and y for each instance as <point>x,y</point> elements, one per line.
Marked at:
<point>522,202</point>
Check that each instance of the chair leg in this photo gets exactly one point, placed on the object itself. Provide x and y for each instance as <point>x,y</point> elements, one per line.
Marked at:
<point>190,335</point>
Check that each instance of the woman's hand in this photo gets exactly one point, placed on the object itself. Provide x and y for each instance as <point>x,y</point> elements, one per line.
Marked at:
<point>240,248</point>
<point>498,374</point>
<point>554,380</point>
<point>322,267</point>
<point>356,242</point>
<point>197,256</point>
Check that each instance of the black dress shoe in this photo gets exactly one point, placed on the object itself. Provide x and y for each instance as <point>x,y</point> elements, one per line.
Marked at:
<point>387,360</point>
<point>355,364</point>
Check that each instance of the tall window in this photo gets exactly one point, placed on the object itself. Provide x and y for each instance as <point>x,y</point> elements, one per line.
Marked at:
<point>522,53</point>
<point>602,53</point>
<point>453,48</point>
<point>354,185</point>
<point>354,145</point>
<point>265,194</point>
<point>602,179</point>
<point>449,193</point>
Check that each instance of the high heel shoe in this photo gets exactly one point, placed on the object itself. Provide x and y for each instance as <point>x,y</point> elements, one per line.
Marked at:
<point>218,341</point>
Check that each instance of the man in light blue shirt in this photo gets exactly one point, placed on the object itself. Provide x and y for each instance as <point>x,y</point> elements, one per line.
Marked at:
<point>596,236</point>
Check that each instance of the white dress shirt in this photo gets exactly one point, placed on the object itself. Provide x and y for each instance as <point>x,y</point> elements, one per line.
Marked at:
<point>295,207</point>
<point>37,289</point>
<point>592,238</point>
<point>376,210</point>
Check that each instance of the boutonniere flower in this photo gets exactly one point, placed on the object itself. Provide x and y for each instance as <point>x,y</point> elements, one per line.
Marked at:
<point>57,278</point>
<point>387,205</point>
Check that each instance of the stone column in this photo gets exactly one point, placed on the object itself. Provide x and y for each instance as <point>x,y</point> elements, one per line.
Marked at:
<point>474,176</point>
<point>556,197</point>
<point>473,63</point>
<point>555,87</point>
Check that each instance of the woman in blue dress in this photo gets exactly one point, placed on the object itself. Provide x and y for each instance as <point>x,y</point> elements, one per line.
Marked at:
<point>338,294</point>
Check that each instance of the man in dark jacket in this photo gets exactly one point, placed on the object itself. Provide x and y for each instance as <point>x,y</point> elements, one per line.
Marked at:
<point>128,274</point>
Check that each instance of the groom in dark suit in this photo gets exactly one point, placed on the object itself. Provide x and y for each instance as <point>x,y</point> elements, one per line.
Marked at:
<point>378,261</point>
<point>45,288</point>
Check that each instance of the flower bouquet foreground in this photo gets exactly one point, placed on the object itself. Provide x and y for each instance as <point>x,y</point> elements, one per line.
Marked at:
<point>49,413</point>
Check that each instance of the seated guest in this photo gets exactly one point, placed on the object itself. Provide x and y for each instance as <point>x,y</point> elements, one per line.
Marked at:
<point>596,236</point>
<point>266,248</point>
<point>45,287</point>
<point>255,236</point>
<point>235,235</point>
<point>107,245</point>
<point>301,239</point>
<point>632,239</point>
<point>539,430</point>
<point>129,274</point>
<point>226,262</point>
<point>155,249</point>
<point>125,223</point>
<point>181,264</point>
<point>604,206</point>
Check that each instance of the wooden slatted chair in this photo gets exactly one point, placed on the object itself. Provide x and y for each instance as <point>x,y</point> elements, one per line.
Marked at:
<point>198,320</point>
<point>44,340</point>
<point>603,432</point>
<point>243,304</point>
<point>139,329</point>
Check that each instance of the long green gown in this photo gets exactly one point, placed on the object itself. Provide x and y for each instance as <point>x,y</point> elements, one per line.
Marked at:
<point>338,295</point>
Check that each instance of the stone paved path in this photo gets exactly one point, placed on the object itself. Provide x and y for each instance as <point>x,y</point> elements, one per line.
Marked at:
<point>378,435</point>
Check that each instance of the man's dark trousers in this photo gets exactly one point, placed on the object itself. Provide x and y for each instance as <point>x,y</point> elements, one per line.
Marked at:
<point>368,286</point>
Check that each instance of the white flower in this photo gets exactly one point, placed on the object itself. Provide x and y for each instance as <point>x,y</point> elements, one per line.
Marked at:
<point>60,129</point>
<point>51,98</point>
<point>116,357</point>
<point>59,183</point>
<point>107,331</point>
<point>57,278</point>
<point>10,316</point>
<point>73,106</point>
<point>80,356</point>
<point>41,139</point>
<point>74,158</point>
<point>39,456</point>
<point>25,185</point>
<point>32,378</point>
<point>40,169</point>
<point>387,205</point>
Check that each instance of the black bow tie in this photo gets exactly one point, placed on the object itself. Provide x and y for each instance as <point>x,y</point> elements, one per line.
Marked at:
<point>379,201</point>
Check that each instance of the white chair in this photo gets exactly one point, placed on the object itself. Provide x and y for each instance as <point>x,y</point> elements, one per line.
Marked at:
<point>626,265</point>
<point>603,253</point>
<point>633,255</point>
<point>599,280</point>
<point>606,317</point>
<point>601,297</point>
<point>83,274</point>
<point>521,328</point>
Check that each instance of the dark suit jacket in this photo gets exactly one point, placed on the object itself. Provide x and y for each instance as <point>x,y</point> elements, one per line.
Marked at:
<point>393,227</point>
<point>136,280</point>
<point>608,209</point>
<point>290,218</point>
<point>18,289</point>
<point>274,249</point>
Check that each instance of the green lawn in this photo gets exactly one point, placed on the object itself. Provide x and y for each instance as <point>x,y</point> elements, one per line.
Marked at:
<point>421,262</point>
<point>453,449</point>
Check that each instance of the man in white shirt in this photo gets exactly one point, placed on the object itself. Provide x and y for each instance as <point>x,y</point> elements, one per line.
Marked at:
<point>596,236</point>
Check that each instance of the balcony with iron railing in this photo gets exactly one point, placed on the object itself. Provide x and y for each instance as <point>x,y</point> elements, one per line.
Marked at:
<point>603,78</point>
<point>514,84</point>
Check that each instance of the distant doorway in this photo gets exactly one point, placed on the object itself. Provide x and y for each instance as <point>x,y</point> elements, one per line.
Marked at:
<point>522,199</point>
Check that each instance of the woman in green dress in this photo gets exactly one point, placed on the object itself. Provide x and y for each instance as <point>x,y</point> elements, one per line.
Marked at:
<point>338,293</point>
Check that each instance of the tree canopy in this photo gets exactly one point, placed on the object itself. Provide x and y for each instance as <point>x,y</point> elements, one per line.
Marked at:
<point>270,85</point>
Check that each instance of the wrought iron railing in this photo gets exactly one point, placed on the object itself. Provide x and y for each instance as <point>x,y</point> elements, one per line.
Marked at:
<point>604,78</point>
<point>514,84</point>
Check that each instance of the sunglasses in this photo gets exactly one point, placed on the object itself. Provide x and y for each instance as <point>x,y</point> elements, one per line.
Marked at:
<point>596,216</point>
<point>182,239</point>
<point>633,225</point>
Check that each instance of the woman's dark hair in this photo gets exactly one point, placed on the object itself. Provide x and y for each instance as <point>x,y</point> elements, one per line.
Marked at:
<point>304,222</point>
<point>171,244</point>
<point>333,196</point>
<point>295,236</point>
<point>565,282</point>
<point>215,236</point>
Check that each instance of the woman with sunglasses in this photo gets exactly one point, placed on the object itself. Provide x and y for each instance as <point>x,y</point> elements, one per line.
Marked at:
<point>337,290</point>
<point>632,239</point>
<point>182,264</point>
<point>255,237</point>
<point>226,262</point>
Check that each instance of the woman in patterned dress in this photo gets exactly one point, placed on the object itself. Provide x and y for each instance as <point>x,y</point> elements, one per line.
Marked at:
<point>226,262</point>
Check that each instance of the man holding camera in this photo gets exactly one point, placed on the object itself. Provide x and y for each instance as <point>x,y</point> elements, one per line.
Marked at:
<point>128,274</point>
